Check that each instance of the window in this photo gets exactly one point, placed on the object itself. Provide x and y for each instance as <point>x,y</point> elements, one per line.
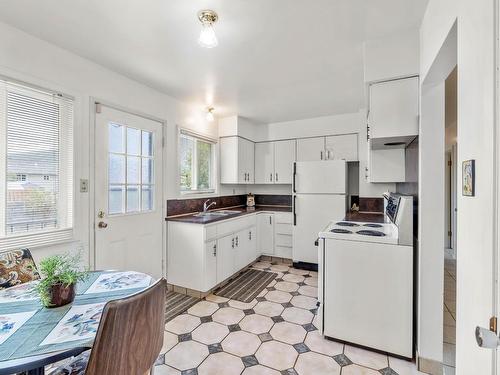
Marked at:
<point>130,171</point>
<point>196,157</point>
<point>36,162</point>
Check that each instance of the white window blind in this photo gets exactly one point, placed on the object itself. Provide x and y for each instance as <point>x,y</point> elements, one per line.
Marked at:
<point>36,164</point>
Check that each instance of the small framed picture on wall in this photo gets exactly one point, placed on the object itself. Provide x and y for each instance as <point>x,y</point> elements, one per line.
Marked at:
<point>468,178</point>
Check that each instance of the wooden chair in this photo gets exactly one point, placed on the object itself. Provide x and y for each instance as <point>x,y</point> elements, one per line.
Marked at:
<point>129,337</point>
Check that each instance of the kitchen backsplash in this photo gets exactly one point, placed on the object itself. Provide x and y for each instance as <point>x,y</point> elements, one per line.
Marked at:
<point>371,204</point>
<point>186,206</point>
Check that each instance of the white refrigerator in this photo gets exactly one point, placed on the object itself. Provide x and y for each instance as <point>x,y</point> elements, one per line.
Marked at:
<point>319,196</point>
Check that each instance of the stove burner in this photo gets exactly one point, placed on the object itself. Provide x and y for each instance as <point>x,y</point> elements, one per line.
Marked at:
<point>346,224</point>
<point>373,225</point>
<point>374,233</point>
<point>340,230</point>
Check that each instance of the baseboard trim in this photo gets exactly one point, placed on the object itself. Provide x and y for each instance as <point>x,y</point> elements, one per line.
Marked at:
<point>429,366</point>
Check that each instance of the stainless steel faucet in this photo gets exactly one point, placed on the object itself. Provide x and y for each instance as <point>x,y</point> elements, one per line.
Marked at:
<point>205,207</point>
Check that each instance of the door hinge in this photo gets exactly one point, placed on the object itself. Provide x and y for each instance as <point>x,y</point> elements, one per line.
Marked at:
<point>98,107</point>
<point>449,233</point>
<point>493,324</point>
<point>449,163</point>
<point>367,132</point>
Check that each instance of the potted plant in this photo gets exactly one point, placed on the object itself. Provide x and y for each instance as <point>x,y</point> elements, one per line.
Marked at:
<point>60,274</point>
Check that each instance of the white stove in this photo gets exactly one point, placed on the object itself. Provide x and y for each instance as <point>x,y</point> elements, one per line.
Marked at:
<point>366,280</point>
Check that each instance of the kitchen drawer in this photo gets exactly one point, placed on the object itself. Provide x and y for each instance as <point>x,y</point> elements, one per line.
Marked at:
<point>283,229</point>
<point>283,252</point>
<point>283,218</point>
<point>233,226</point>
<point>283,240</point>
<point>210,232</point>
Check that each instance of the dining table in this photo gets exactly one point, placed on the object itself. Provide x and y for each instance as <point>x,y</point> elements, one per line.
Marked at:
<point>33,336</point>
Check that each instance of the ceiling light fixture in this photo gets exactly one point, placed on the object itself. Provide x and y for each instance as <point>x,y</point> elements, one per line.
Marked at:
<point>207,37</point>
<point>210,114</point>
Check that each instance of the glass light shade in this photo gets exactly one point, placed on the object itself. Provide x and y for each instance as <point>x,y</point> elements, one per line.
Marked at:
<point>210,116</point>
<point>207,37</point>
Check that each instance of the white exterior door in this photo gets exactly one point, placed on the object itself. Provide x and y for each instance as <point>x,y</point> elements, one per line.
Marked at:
<point>128,192</point>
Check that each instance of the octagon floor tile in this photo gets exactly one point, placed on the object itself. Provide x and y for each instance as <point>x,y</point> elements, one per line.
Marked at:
<point>169,341</point>
<point>183,324</point>
<point>358,370</point>
<point>228,315</point>
<point>186,355</point>
<point>221,364</point>
<point>312,281</point>
<point>304,302</point>
<point>278,296</point>
<point>276,355</point>
<point>242,305</point>
<point>260,370</point>
<point>256,324</point>
<point>286,286</point>
<point>268,308</point>
<point>297,271</point>
<point>165,370</point>
<point>241,343</point>
<point>288,332</point>
<point>298,316</point>
<point>216,299</point>
<point>203,308</point>
<point>310,291</point>
<point>292,278</point>
<point>279,268</point>
<point>317,364</point>
<point>403,367</point>
<point>318,343</point>
<point>210,333</point>
<point>261,265</point>
<point>366,358</point>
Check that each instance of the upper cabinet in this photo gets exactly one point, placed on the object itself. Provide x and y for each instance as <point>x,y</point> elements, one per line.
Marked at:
<point>335,147</point>
<point>274,161</point>
<point>393,116</point>
<point>236,161</point>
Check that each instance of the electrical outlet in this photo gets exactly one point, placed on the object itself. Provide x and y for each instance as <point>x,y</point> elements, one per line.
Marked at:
<point>84,185</point>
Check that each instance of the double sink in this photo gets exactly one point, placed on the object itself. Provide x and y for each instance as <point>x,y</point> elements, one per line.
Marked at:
<point>221,213</point>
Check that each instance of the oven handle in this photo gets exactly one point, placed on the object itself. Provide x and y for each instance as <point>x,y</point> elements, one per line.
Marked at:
<point>294,174</point>
<point>294,212</point>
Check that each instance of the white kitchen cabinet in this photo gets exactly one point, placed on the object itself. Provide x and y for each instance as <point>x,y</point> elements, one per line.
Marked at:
<point>245,247</point>
<point>225,257</point>
<point>387,165</point>
<point>311,149</point>
<point>236,160</point>
<point>264,160</point>
<point>283,241</point>
<point>210,268</point>
<point>284,156</point>
<point>394,109</point>
<point>274,161</point>
<point>342,147</point>
<point>265,233</point>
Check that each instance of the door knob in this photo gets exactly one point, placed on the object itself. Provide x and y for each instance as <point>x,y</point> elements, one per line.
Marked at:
<point>102,225</point>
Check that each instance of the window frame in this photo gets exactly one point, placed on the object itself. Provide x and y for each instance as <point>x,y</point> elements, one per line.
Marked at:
<point>213,163</point>
<point>67,158</point>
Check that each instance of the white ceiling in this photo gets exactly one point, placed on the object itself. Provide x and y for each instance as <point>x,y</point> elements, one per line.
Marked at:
<point>277,60</point>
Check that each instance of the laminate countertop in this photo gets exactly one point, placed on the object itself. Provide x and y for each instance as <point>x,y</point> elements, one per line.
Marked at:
<point>193,219</point>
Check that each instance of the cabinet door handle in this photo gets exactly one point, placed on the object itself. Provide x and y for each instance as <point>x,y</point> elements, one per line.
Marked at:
<point>215,250</point>
<point>276,179</point>
<point>270,177</point>
<point>328,155</point>
<point>321,155</point>
<point>250,235</point>
<point>236,241</point>
<point>232,242</point>
<point>270,220</point>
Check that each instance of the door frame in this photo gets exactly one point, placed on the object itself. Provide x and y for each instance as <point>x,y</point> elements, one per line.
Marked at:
<point>92,188</point>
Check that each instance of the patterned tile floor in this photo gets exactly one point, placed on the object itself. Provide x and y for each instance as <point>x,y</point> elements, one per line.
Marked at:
<point>272,335</point>
<point>449,316</point>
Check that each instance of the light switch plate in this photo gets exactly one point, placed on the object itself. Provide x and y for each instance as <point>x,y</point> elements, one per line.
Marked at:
<point>84,185</point>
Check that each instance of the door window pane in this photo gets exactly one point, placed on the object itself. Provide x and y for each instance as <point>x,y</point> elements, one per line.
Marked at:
<point>116,138</point>
<point>116,198</point>
<point>116,170</point>
<point>147,171</point>
<point>147,198</point>
<point>131,167</point>
<point>133,198</point>
<point>133,170</point>
<point>147,143</point>
<point>133,141</point>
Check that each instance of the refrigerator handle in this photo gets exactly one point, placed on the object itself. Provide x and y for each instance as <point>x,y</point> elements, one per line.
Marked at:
<point>294,174</point>
<point>294,213</point>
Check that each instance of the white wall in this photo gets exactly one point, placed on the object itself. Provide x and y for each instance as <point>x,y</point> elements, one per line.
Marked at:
<point>29,59</point>
<point>475,128</point>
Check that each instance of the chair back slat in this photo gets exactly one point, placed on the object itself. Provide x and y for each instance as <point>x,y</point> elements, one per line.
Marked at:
<point>130,334</point>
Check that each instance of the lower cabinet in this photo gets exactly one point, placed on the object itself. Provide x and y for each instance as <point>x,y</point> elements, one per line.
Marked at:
<point>225,258</point>
<point>265,233</point>
<point>210,269</point>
